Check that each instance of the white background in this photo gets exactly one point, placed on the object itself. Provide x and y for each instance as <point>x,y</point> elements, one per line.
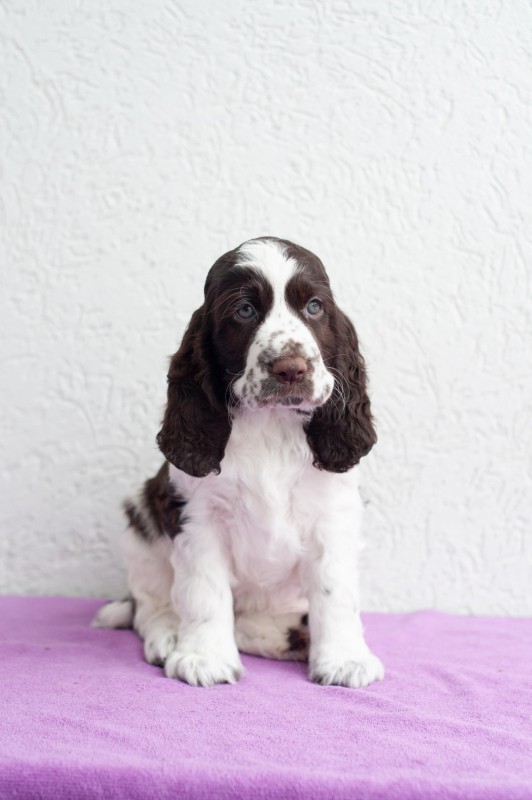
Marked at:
<point>139,141</point>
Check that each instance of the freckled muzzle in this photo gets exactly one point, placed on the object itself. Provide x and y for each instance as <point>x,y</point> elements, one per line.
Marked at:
<point>287,379</point>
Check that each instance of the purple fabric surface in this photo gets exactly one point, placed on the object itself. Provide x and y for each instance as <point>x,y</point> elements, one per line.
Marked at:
<point>83,716</point>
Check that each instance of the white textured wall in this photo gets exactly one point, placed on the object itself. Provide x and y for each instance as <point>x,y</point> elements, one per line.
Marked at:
<point>140,140</point>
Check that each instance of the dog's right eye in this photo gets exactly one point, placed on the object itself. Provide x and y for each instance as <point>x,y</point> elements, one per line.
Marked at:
<point>245,312</point>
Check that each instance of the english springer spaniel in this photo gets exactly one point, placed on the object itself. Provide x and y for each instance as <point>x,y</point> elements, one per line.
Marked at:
<point>247,539</point>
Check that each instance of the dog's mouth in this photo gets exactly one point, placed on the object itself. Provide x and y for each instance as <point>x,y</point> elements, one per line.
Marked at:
<point>289,396</point>
<point>270,393</point>
<point>292,400</point>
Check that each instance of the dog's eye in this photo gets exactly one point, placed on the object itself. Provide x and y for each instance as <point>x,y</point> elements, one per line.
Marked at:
<point>245,312</point>
<point>314,308</point>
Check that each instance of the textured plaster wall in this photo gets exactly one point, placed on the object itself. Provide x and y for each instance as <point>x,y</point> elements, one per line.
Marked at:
<point>140,140</point>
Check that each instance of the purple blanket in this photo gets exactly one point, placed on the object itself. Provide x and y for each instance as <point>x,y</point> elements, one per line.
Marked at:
<point>83,716</point>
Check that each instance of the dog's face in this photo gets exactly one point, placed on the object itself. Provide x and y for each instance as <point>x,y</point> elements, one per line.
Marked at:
<point>269,334</point>
<point>272,330</point>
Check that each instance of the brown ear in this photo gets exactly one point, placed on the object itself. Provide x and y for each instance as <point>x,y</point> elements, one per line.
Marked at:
<point>341,432</point>
<point>196,424</point>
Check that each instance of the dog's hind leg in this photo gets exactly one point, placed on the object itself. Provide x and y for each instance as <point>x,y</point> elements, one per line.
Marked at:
<point>284,636</point>
<point>148,610</point>
<point>150,577</point>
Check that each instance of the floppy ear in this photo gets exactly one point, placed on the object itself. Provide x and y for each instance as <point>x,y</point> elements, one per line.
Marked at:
<point>341,431</point>
<point>196,423</point>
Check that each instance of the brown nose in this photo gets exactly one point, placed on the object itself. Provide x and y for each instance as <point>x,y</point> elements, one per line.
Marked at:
<point>290,370</point>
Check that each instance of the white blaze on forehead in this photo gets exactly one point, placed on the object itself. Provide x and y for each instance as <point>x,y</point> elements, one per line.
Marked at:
<point>269,258</point>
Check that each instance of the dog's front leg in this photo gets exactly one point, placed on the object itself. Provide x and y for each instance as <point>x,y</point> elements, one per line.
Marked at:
<point>339,654</point>
<point>206,652</point>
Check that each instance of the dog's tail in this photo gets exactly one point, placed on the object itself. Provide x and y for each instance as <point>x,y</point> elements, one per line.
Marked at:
<point>115,614</point>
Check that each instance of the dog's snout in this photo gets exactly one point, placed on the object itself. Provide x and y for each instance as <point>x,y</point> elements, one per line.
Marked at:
<point>290,370</point>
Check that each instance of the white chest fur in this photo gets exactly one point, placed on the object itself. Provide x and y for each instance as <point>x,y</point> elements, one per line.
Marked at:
<point>266,504</point>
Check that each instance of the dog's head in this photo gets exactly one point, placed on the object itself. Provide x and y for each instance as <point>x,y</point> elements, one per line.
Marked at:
<point>269,334</point>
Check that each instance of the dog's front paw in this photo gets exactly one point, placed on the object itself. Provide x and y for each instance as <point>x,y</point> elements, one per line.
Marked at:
<point>353,673</point>
<point>203,669</point>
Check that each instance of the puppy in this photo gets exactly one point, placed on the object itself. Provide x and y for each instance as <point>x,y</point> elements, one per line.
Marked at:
<point>248,537</point>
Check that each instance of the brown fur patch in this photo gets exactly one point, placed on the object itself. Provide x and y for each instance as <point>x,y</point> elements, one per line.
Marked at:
<point>298,639</point>
<point>161,508</point>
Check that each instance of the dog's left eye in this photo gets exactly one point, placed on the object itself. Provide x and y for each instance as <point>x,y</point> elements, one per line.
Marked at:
<point>314,308</point>
<point>245,312</point>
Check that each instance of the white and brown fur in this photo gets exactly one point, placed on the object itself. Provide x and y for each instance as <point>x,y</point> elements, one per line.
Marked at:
<point>248,537</point>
